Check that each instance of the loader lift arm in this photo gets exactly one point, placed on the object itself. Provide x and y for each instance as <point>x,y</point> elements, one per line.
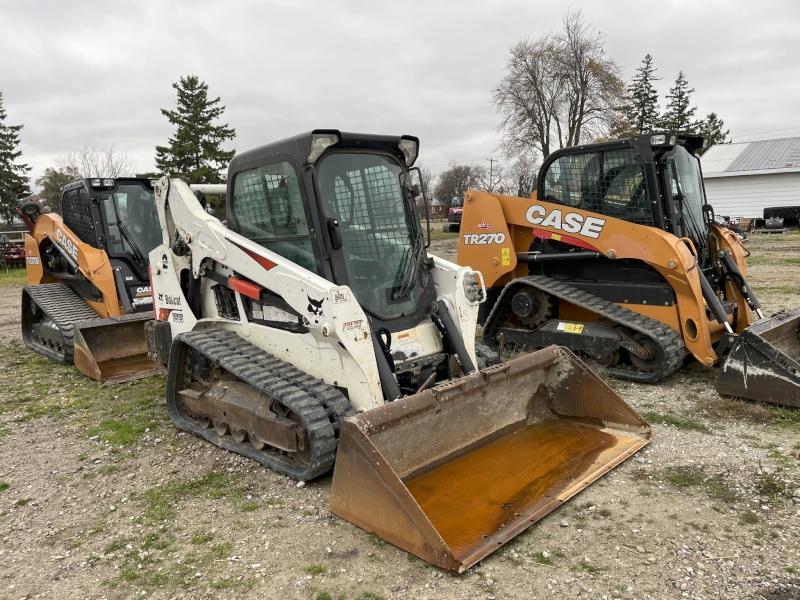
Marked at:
<point>333,334</point>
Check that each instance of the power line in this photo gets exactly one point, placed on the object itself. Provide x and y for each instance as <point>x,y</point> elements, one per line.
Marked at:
<point>455,162</point>
<point>768,131</point>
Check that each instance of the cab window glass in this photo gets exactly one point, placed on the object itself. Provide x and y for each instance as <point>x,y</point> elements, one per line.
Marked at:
<point>268,207</point>
<point>133,225</point>
<point>612,183</point>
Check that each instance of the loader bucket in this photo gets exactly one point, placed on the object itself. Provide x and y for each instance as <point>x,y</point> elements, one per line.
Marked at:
<point>453,473</point>
<point>764,363</point>
<point>114,350</point>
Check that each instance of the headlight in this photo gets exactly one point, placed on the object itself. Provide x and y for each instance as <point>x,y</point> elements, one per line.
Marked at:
<point>410,149</point>
<point>472,290</point>
<point>319,143</point>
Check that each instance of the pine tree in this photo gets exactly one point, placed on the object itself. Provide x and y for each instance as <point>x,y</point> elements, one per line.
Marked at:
<point>195,152</point>
<point>711,129</point>
<point>13,176</point>
<point>642,109</point>
<point>678,114</point>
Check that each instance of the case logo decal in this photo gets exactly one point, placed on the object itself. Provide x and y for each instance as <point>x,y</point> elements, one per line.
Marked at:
<point>66,243</point>
<point>570,222</point>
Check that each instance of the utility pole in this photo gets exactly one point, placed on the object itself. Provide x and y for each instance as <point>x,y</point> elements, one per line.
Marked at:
<point>491,171</point>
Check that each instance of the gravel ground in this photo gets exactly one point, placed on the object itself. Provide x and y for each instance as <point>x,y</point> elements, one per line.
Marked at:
<point>101,497</point>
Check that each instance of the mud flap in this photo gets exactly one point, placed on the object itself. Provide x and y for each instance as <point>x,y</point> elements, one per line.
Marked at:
<point>454,472</point>
<point>114,350</point>
<point>764,363</point>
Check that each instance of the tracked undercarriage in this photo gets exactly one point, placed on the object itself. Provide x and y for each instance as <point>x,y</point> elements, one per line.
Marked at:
<point>240,398</point>
<point>653,349</point>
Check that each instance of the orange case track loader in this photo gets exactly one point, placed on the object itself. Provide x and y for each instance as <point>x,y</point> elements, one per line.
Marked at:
<point>81,306</point>
<point>618,256</point>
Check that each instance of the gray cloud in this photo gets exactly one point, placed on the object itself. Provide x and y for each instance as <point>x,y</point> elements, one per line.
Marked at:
<point>91,72</point>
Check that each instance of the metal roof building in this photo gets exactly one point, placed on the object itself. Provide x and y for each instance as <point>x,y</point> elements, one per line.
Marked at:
<point>743,179</point>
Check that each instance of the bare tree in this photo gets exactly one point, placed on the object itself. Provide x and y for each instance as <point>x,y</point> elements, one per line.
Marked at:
<point>559,90</point>
<point>456,180</point>
<point>427,179</point>
<point>521,177</point>
<point>93,161</point>
<point>491,180</point>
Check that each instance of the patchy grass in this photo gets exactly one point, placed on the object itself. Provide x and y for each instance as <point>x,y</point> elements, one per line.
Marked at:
<point>314,569</point>
<point>160,503</point>
<point>22,502</point>
<point>736,409</point>
<point>690,476</point>
<point>683,424</point>
<point>438,234</point>
<point>748,518</point>
<point>769,484</point>
<point>201,536</point>
<point>584,566</point>
<point>375,540</point>
<point>34,387</point>
<point>683,476</point>
<point>4,486</point>
<point>16,276</point>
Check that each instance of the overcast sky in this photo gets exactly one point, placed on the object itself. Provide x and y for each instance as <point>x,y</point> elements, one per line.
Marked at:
<point>96,72</point>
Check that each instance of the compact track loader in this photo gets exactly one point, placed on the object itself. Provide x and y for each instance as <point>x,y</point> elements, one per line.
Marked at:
<point>88,293</point>
<point>317,321</point>
<point>617,256</point>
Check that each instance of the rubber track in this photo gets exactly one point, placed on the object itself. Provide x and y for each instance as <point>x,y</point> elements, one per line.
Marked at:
<point>321,407</point>
<point>667,338</point>
<point>64,307</point>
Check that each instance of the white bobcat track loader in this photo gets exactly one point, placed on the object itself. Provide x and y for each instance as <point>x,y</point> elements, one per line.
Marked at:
<point>316,320</point>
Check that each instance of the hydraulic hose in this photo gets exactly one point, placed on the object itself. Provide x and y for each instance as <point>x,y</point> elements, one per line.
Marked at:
<point>732,270</point>
<point>388,383</point>
<point>455,338</point>
<point>713,302</point>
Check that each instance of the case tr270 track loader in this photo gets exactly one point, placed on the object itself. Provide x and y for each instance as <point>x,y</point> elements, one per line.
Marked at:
<point>617,255</point>
<point>88,293</point>
<point>316,322</point>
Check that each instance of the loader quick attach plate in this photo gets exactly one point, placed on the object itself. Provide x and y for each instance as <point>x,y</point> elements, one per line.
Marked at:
<point>764,363</point>
<point>453,473</point>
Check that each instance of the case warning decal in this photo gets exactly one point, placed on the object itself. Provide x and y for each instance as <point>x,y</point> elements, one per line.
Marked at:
<point>505,257</point>
<point>570,327</point>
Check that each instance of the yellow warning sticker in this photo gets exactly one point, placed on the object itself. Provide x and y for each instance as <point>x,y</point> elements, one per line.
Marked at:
<point>506,257</point>
<point>555,237</point>
<point>570,327</point>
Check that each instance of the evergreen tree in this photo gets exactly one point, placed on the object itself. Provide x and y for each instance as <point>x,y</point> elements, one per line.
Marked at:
<point>13,176</point>
<point>711,129</point>
<point>642,109</point>
<point>678,114</point>
<point>195,151</point>
<point>52,183</point>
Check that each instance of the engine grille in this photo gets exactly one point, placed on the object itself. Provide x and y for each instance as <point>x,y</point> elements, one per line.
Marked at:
<point>225,298</point>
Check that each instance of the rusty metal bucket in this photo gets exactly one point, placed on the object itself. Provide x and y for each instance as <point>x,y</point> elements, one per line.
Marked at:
<point>114,350</point>
<point>453,473</point>
<point>764,363</point>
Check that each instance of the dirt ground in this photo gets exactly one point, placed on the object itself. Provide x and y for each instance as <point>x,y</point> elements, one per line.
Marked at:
<point>101,497</point>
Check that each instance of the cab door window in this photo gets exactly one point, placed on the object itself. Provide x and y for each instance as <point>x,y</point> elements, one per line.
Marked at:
<point>267,206</point>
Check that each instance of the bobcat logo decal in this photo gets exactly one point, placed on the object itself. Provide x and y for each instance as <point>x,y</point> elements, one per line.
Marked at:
<point>315,307</point>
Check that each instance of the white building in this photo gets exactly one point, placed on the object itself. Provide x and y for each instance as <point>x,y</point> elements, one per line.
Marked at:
<point>743,179</point>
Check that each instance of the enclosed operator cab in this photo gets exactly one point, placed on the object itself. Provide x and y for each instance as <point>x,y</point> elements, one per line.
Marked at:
<point>119,217</point>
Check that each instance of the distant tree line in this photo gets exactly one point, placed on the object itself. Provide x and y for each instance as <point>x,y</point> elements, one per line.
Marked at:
<point>194,152</point>
<point>558,90</point>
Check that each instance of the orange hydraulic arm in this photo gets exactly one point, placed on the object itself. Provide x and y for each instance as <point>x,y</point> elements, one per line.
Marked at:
<point>90,261</point>
<point>495,228</point>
